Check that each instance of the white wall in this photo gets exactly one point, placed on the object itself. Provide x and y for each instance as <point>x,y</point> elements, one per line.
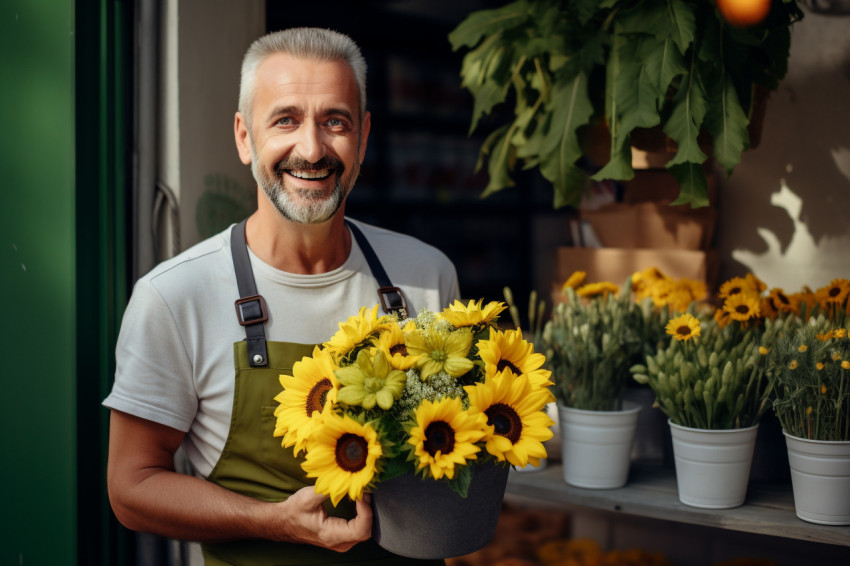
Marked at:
<point>203,42</point>
<point>784,211</point>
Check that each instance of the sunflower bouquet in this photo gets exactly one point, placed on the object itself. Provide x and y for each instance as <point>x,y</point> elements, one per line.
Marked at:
<point>429,395</point>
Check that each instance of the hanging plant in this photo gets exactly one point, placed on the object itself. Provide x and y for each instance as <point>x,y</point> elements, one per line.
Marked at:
<point>677,65</point>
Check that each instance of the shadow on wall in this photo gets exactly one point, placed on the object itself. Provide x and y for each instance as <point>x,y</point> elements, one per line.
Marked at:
<point>784,210</point>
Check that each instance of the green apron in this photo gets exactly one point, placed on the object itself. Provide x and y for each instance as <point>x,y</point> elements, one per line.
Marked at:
<point>254,463</point>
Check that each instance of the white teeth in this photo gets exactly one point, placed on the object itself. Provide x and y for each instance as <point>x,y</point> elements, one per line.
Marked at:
<point>321,174</point>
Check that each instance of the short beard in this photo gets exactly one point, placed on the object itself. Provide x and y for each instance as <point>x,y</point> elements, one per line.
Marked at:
<point>316,210</point>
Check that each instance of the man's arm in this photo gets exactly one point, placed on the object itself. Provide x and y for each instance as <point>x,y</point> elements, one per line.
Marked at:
<point>148,495</point>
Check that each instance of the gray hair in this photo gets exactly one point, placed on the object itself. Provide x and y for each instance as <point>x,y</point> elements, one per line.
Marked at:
<point>308,43</point>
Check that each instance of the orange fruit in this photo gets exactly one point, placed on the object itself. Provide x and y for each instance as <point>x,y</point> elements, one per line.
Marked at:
<point>743,13</point>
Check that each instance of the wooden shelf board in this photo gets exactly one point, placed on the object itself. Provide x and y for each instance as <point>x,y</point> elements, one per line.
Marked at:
<point>652,492</point>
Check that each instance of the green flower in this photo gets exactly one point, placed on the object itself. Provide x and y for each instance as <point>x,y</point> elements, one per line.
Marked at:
<point>439,351</point>
<point>370,381</point>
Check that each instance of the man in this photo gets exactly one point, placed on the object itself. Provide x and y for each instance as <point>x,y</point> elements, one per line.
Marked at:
<point>303,128</point>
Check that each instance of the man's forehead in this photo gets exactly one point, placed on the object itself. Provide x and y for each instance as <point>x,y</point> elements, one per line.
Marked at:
<point>287,72</point>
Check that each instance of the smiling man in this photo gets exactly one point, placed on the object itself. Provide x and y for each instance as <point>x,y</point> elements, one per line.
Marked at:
<point>207,334</point>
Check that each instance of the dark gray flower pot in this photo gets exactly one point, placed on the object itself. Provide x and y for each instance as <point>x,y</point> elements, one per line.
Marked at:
<point>425,519</point>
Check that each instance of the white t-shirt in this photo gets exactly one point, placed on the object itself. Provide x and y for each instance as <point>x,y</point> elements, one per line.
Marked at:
<point>174,353</point>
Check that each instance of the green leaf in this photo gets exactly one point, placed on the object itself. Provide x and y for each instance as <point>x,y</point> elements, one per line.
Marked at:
<point>572,109</point>
<point>487,23</point>
<point>683,21</point>
<point>639,85</point>
<point>568,188</point>
<point>487,146</point>
<point>651,18</point>
<point>462,480</point>
<point>685,122</point>
<point>726,121</point>
<point>490,90</point>
<point>560,148</point>
<point>395,467</point>
<point>693,187</point>
<point>584,9</point>
<point>619,167</point>
<point>671,64</point>
<point>500,164</point>
<point>535,136</point>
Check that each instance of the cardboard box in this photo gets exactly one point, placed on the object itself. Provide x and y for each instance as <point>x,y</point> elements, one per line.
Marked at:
<point>662,187</point>
<point>652,225</point>
<point>615,264</point>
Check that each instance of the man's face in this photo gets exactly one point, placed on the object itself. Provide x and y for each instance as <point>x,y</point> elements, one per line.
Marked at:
<point>306,140</point>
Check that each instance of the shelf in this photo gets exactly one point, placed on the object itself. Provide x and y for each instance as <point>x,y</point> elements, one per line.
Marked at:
<point>651,492</point>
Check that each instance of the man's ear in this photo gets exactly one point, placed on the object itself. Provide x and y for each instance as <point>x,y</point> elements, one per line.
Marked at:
<point>243,142</point>
<point>364,135</point>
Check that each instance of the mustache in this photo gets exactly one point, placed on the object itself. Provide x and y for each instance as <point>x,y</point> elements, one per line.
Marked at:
<point>294,162</point>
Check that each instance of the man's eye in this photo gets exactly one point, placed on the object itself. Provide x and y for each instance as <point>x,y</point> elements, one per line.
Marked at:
<point>334,122</point>
<point>285,121</point>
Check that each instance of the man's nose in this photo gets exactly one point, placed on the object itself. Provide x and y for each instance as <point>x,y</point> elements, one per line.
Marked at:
<point>310,144</point>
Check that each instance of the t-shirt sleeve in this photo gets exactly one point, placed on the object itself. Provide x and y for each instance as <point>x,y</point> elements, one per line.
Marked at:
<point>153,374</point>
<point>450,288</point>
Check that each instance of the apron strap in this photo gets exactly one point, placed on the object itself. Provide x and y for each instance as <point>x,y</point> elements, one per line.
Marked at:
<point>392,301</point>
<point>251,308</point>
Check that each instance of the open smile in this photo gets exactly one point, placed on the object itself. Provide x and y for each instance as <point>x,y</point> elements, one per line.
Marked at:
<point>311,175</point>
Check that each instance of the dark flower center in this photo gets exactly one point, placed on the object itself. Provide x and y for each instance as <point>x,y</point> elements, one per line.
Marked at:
<point>835,291</point>
<point>351,451</point>
<point>783,299</point>
<point>742,309</point>
<point>317,396</point>
<point>505,420</point>
<point>503,364</point>
<point>734,291</point>
<point>439,437</point>
<point>400,349</point>
<point>683,330</point>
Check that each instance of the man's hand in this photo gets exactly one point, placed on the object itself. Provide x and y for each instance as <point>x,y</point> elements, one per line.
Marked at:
<point>303,519</point>
<point>148,495</point>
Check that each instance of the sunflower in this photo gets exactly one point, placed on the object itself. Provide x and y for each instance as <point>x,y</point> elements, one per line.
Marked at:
<point>743,306</point>
<point>698,289</point>
<point>354,331</point>
<point>683,327</point>
<point>573,281</point>
<point>734,286</point>
<point>311,388</point>
<point>834,293</point>
<point>594,289</point>
<point>440,351</point>
<point>508,350</point>
<point>370,381</point>
<point>391,343</point>
<point>755,283</point>
<point>782,302</point>
<point>443,435</point>
<point>518,426</point>
<point>343,456</point>
<point>473,313</point>
<point>721,317</point>
<point>806,298</point>
<point>767,307</point>
<point>648,276</point>
<point>659,291</point>
<point>680,298</point>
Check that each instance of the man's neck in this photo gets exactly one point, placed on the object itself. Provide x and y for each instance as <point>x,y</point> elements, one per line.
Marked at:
<point>304,249</point>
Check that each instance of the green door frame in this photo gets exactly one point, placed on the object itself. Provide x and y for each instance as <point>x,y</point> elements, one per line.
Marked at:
<point>104,145</point>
